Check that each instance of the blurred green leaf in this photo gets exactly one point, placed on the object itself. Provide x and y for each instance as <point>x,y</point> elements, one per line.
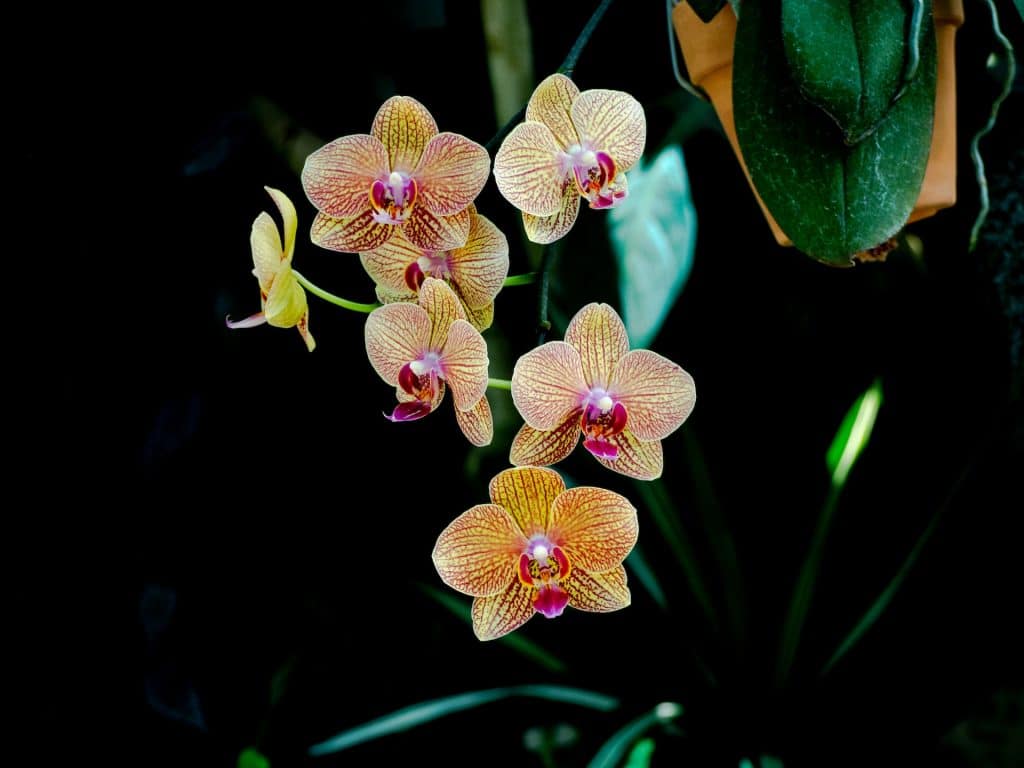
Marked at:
<point>250,757</point>
<point>638,565</point>
<point>613,750</point>
<point>641,753</point>
<point>427,711</point>
<point>832,200</point>
<point>853,433</point>
<point>1020,8</point>
<point>653,238</point>
<point>706,9</point>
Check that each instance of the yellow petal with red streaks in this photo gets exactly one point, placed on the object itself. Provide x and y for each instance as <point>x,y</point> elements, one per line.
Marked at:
<point>547,384</point>
<point>642,460</point>
<point>451,174</point>
<point>612,122</point>
<point>480,317</point>
<point>530,169</point>
<point>386,296</point>
<point>404,127</point>
<point>464,362</point>
<point>437,233</point>
<point>443,308</point>
<point>596,528</point>
<point>597,592</point>
<point>480,266</point>
<point>548,229</point>
<point>286,302</point>
<point>387,264</point>
<point>289,219</point>
<point>533,447</point>
<point>551,104</point>
<point>396,334</point>
<point>527,493</point>
<point>303,328</point>
<point>499,614</point>
<point>478,553</point>
<point>338,176</point>
<point>598,334</point>
<point>477,424</point>
<point>267,252</point>
<point>360,233</point>
<point>657,393</point>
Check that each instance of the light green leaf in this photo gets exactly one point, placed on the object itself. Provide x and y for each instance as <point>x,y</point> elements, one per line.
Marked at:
<point>853,433</point>
<point>641,753</point>
<point>653,235</point>
<point>612,752</point>
<point>250,757</point>
<point>1020,7</point>
<point>639,567</point>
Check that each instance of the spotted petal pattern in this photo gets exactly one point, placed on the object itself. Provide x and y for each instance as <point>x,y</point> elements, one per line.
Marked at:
<point>404,127</point>
<point>529,169</point>
<point>598,334</point>
<point>477,424</point>
<point>478,553</point>
<point>452,173</point>
<point>337,177</point>
<point>657,393</point>
<point>464,359</point>
<point>499,614</point>
<point>396,334</point>
<point>598,592</point>
<point>551,104</point>
<point>540,449</point>
<point>527,493</point>
<point>548,384</point>
<point>360,233</point>
<point>613,122</point>
<point>596,528</point>
<point>644,461</point>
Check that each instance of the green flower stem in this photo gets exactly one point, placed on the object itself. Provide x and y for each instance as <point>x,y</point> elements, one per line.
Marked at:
<point>500,384</point>
<point>528,278</point>
<point>316,290</point>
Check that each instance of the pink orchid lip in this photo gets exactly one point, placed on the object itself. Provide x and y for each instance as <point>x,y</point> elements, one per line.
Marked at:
<point>393,198</point>
<point>411,411</point>
<point>249,322</point>
<point>601,420</point>
<point>542,566</point>
<point>596,179</point>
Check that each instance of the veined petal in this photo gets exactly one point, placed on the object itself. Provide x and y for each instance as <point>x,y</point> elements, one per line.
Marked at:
<point>529,169</point>
<point>464,361</point>
<point>286,302</point>
<point>451,174</point>
<point>548,229</point>
<point>443,308</point>
<point>527,493</point>
<point>480,318</point>
<point>597,592</point>
<point>479,551</point>
<point>337,177</point>
<point>396,334</point>
<point>387,296</point>
<point>288,217</point>
<point>267,252</point>
<point>551,104</point>
<point>657,393</point>
<point>436,233</point>
<point>533,447</point>
<point>635,458</point>
<point>404,127</point>
<point>598,334</point>
<point>480,266</point>
<point>387,264</point>
<point>499,614</point>
<point>360,233</point>
<point>547,384</point>
<point>612,122</point>
<point>477,424</point>
<point>303,328</point>
<point>596,528</point>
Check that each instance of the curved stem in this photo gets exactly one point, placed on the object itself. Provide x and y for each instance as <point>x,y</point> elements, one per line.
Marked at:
<point>527,278</point>
<point>316,290</point>
<point>500,384</point>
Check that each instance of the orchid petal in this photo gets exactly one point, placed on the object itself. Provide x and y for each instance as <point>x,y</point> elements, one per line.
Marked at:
<point>248,322</point>
<point>480,266</point>
<point>286,302</point>
<point>303,327</point>
<point>533,447</point>
<point>451,174</point>
<point>404,127</point>
<point>443,308</point>
<point>596,528</point>
<point>477,424</point>
<point>547,384</point>
<point>548,229</point>
<point>612,122</point>
<point>437,397</point>
<point>410,410</point>
<point>657,393</point>
<point>360,233</point>
<point>464,361</point>
<point>387,264</point>
<point>289,219</point>
<point>478,552</point>
<point>597,592</point>
<point>386,296</point>
<point>597,333</point>
<point>635,458</point>
<point>527,493</point>
<point>267,252</point>
<point>396,334</point>
<point>529,169</point>
<point>337,177</point>
<point>482,317</point>
<point>436,233</point>
<point>499,614</point>
<point>551,104</point>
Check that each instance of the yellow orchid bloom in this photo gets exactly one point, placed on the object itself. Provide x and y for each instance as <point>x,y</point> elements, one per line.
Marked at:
<point>573,145</point>
<point>622,402</point>
<point>420,348</point>
<point>403,175</point>
<point>537,548</point>
<point>282,298</point>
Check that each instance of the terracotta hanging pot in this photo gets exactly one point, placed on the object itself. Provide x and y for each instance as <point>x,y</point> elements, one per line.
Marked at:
<point>708,53</point>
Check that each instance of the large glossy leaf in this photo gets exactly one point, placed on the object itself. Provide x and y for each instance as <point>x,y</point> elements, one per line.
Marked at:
<point>832,200</point>
<point>653,235</point>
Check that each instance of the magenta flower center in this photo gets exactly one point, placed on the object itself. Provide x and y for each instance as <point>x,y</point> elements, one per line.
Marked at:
<point>603,417</point>
<point>430,264</point>
<point>596,176</point>
<point>541,567</point>
<point>393,198</point>
<point>421,379</point>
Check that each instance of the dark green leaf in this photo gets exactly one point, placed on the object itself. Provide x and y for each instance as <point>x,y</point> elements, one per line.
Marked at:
<point>611,754</point>
<point>706,9</point>
<point>831,199</point>
<point>1020,7</point>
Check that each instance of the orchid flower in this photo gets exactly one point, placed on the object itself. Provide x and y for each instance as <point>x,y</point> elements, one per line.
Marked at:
<point>537,548</point>
<point>622,402</point>
<point>475,271</point>
<point>572,145</point>
<point>282,298</point>
<point>419,348</point>
<point>403,175</point>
